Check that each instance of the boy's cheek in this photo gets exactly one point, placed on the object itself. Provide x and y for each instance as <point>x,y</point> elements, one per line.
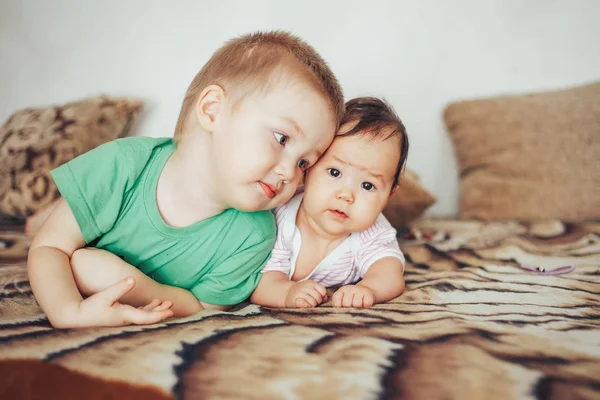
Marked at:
<point>284,196</point>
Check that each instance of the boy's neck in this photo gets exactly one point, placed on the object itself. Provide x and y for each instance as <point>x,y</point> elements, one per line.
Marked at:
<point>311,231</point>
<point>186,194</point>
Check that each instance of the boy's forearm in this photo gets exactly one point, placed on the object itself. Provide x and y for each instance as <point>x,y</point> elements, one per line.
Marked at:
<point>385,279</point>
<point>184,302</point>
<point>147,289</point>
<point>53,285</point>
<point>95,270</point>
<point>272,290</point>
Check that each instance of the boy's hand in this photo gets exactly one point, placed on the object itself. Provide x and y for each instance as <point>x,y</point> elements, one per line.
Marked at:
<point>104,309</point>
<point>306,294</point>
<point>353,296</point>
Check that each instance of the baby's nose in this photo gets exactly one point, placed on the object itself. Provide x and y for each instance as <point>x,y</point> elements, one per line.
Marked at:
<point>345,194</point>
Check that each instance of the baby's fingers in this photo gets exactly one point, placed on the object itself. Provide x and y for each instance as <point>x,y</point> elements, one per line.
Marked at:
<point>348,299</point>
<point>314,294</point>
<point>358,301</point>
<point>301,302</point>
<point>368,302</point>
<point>337,298</point>
<point>322,290</point>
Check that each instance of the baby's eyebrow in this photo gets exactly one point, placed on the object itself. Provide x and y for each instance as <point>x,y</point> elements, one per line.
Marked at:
<point>373,174</point>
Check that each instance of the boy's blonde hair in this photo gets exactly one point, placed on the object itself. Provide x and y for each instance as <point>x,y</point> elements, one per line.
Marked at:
<point>246,64</point>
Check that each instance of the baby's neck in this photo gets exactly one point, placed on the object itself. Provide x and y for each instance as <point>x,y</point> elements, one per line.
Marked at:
<point>311,232</point>
<point>185,193</point>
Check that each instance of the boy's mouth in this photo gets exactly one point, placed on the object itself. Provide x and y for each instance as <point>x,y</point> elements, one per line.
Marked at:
<point>339,214</point>
<point>269,190</point>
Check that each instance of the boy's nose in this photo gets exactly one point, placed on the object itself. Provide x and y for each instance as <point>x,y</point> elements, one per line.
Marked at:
<point>286,172</point>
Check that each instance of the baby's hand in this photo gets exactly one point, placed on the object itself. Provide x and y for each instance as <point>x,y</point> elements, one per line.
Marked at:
<point>104,309</point>
<point>306,294</point>
<point>353,296</point>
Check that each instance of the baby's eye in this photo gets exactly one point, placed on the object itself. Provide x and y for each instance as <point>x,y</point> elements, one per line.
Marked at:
<point>303,164</point>
<point>281,138</point>
<point>334,172</point>
<point>368,186</point>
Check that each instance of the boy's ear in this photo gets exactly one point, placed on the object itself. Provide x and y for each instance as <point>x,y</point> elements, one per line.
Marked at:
<point>394,190</point>
<point>208,106</point>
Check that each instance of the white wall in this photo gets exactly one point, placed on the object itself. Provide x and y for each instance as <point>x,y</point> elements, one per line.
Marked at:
<point>418,54</point>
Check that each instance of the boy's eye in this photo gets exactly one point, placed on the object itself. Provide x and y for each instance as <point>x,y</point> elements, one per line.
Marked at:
<point>334,172</point>
<point>303,164</point>
<point>368,186</point>
<point>281,138</point>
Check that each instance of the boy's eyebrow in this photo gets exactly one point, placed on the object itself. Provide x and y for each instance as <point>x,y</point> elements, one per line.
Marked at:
<point>374,175</point>
<point>295,125</point>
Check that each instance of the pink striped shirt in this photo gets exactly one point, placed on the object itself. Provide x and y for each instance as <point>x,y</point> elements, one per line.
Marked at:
<point>346,264</point>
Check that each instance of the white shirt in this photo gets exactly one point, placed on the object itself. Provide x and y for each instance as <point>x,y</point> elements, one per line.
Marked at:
<point>344,265</point>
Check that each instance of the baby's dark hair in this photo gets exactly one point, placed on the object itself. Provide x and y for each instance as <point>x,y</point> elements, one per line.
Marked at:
<point>378,120</point>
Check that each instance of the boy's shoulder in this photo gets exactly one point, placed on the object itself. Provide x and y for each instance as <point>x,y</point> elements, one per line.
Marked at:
<point>135,152</point>
<point>140,144</point>
<point>261,223</point>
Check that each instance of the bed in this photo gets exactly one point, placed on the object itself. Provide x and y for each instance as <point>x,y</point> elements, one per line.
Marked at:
<point>473,323</point>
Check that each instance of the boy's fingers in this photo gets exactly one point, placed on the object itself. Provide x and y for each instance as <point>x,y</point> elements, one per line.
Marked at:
<point>113,293</point>
<point>164,306</point>
<point>141,317</point>
<point>152,305</point>
<point>368,302</point>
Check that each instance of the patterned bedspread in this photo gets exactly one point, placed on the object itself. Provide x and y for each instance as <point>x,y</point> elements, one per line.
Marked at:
<point>472,324</point>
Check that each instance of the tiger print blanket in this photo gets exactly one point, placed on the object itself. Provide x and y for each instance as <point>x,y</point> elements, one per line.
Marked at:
<point>472,324</point>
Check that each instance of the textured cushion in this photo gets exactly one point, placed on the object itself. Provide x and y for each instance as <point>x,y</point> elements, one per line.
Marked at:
<point>529,157</point>
<point>34,141</point>
<point>409,202</point>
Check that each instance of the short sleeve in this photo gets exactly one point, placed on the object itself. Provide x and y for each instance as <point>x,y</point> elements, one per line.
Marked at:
<point>234,280</point>
<point>378,242</point>
<point>281,256</point>
<point>93,185</point>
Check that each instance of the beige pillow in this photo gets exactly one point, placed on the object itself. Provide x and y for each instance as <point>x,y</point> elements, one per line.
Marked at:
<point>34,141</point>
<point>409,202</point>
<point>529,157</point>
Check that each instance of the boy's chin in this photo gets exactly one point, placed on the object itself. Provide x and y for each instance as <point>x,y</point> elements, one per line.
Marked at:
<point>250,206</point>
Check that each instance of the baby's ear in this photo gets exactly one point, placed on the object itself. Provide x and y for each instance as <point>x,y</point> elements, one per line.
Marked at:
<point>208,106</point>
<point>394,190</point>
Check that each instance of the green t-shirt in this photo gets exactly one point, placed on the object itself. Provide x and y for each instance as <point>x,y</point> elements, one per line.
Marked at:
<point>112,193</point>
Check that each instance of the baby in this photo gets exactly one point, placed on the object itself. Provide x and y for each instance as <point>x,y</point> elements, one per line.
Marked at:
<point>154,227</point>
<point>334,234</point>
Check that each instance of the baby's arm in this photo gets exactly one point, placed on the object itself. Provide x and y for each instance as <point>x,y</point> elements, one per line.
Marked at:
<point>383,281</point>
<point>94,270</point>
<point>277,291</point>
<point>54,286</point>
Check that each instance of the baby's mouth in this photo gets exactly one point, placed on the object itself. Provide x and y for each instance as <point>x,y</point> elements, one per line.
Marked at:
<point>339,214</point>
